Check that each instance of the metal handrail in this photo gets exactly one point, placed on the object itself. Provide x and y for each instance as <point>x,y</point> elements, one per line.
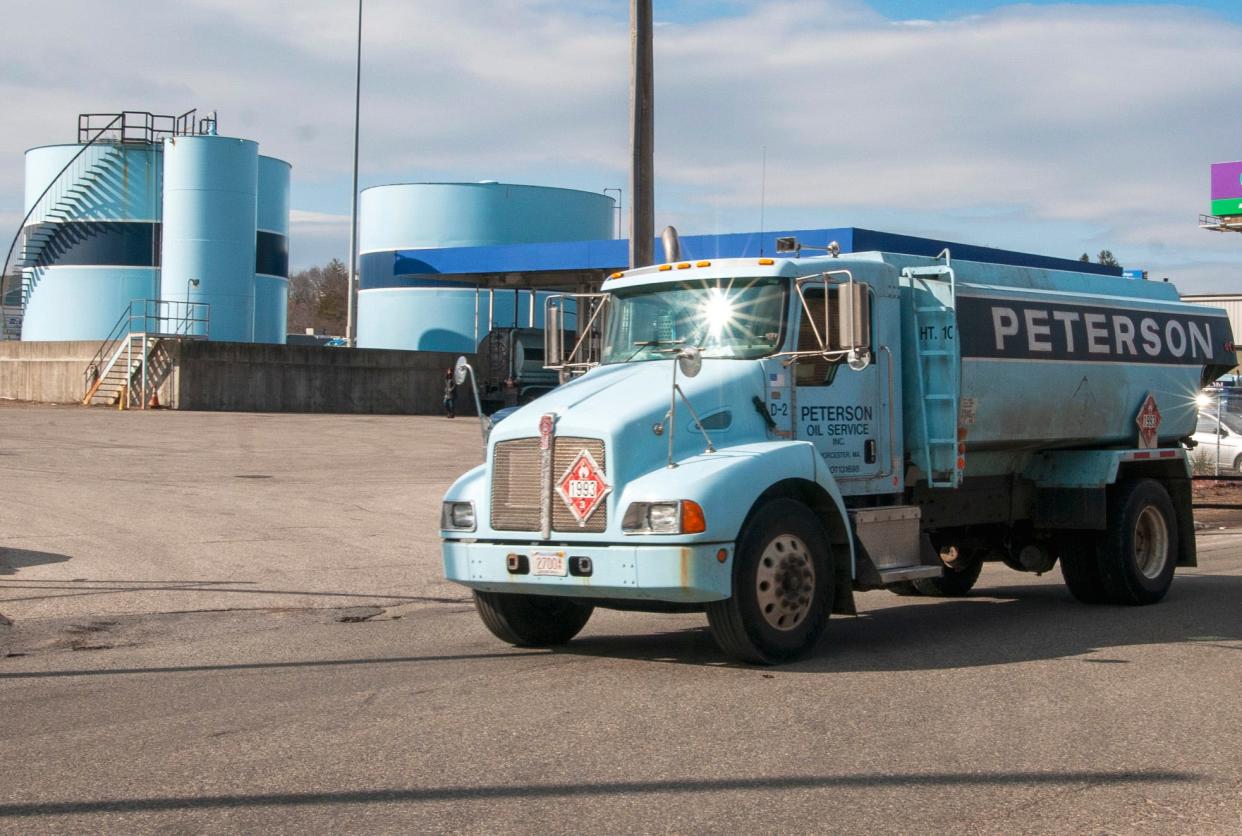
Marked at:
<point>22,226</point>
<point>144,126</point>
<point>184,318</point>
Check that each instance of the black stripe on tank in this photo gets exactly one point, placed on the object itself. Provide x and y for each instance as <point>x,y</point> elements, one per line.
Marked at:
<point>271,254</point>
<point>96,243</point>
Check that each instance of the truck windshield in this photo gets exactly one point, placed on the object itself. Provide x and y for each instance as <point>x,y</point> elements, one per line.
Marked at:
<point>734,318</point>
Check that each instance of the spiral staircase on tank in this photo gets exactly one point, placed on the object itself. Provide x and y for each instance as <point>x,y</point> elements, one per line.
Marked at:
<point>65,198</point>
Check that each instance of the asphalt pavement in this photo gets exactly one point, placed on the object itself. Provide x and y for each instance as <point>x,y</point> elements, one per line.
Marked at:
<point>236,623</point>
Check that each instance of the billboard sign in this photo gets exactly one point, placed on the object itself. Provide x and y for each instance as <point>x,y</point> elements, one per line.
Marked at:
<point>1226,189</point>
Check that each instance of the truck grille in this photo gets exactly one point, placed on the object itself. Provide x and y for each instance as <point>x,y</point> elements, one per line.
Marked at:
<point>515,484</point>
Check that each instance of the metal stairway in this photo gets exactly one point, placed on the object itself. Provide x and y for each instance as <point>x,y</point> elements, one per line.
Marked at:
<point>933,296</point>
<point>134,361</point>
<point>123,374</point>
<point>13,316</point>
<point>62,202</point>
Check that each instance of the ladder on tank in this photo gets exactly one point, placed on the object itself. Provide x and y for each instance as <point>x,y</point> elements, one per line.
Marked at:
<point>933,296</point>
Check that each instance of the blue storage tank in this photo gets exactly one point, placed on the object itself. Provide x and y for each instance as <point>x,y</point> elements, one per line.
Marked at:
<point>271,279</point>
<point>93,244</point>
<point>210,226</point>
<point>401,305</point>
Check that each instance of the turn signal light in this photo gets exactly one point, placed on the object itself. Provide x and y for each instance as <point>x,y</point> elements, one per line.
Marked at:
<point>766,261</point>
<point>692,519</point>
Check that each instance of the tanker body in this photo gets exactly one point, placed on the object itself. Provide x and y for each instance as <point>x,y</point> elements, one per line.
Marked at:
<point>763,437</point>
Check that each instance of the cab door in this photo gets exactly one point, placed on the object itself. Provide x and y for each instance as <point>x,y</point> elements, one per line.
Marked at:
<point>836,407</point>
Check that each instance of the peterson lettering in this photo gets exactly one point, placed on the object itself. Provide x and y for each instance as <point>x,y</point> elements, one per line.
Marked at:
<point>994,328</point>
<point>836,413</point>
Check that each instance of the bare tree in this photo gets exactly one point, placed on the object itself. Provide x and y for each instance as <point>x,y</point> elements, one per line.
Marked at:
<point>317,299</point>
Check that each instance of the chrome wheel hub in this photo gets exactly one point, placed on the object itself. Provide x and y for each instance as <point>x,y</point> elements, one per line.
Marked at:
<point>1151,543</point>
<point>785,582</point>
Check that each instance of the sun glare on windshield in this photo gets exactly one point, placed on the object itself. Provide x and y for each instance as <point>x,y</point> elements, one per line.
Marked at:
<point>717,312</point>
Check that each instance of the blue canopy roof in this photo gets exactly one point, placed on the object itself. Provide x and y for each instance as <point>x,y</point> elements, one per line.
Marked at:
<point>451,265</point>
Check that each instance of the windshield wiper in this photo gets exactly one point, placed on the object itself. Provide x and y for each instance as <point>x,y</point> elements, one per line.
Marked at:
<point>641,344</point>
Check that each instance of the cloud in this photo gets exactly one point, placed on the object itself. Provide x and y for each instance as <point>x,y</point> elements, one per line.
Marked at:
<point>302,220</point>
<point>1057,128</point>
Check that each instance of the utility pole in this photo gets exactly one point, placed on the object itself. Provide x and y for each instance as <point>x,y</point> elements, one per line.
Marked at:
<point>642,136</point>
<point>351,295</point>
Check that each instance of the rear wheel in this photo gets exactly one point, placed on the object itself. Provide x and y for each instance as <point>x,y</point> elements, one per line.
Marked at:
<point>1080,567</point>
<point>531,620</point>
<point>782,587</point>
<point>1139,551</point>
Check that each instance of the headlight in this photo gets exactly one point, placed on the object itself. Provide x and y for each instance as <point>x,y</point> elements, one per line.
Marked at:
<point>457,516</point>
<point>672,517</point>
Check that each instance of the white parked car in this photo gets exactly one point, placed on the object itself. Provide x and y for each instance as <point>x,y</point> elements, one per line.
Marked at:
<point>1228,432</point>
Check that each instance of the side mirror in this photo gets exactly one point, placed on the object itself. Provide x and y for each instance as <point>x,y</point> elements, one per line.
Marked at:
<point>460,370</point>
<point>690,361</point>
<point>854,316</point>
<point>552,336</point>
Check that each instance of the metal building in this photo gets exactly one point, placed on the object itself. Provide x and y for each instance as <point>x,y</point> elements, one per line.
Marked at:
<point>148,207</point>
<point>1231,302</point>
<point>404,302</point>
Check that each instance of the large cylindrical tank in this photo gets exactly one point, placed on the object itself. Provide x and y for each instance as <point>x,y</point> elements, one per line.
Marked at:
<point>210,223</point>
<point>94,240</point>
<point>271,279</point>
<point>401,304</point>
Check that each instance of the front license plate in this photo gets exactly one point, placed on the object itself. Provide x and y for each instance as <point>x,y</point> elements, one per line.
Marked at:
<point>549,563</point>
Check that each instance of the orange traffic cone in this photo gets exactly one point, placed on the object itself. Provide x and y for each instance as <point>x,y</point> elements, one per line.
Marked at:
<point>155,400</point>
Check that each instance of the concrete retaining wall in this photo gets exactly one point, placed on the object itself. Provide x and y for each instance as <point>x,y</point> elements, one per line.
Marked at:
<point>248,377</point>
<point>49,372</point>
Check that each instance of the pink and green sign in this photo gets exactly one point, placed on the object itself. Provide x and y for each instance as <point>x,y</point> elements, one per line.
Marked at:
<point>1226,189</point>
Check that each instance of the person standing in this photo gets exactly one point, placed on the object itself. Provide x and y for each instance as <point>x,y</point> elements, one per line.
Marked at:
<point>450,394</point>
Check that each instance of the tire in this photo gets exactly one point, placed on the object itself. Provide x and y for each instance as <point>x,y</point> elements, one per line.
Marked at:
<point>782,587</point>
<point>531,620</point>
<point>1237,466</point>
<point>953,583</point>
<point>1079,557</point>
<point>1139,552</point>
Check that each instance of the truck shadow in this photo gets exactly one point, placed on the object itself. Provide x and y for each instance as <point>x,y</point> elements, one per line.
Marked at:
<point>994,626</point>
<point>11,560</point>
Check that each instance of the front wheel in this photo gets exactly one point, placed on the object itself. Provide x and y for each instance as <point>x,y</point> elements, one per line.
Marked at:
<point>782,587</point>
<point>531,620</point>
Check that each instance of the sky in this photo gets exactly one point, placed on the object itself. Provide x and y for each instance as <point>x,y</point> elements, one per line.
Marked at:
<point>1056,128</point>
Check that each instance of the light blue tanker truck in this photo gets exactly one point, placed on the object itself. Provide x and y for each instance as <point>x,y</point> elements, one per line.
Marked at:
<point>759,438</point>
